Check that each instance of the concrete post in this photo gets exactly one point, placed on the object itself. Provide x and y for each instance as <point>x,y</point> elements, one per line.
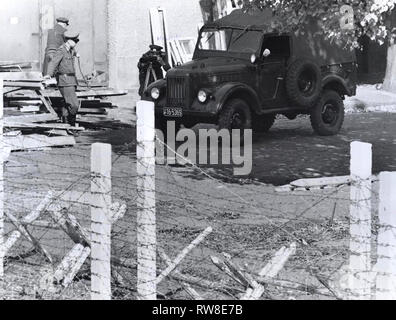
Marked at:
<point>146,218</point>
<point>101,221</point>
<point>386,247</point>
<point>360,221</point>
<point>2,240</point>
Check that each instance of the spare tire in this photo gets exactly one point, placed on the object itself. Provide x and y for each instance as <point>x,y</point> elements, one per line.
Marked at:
<point>304,83</point>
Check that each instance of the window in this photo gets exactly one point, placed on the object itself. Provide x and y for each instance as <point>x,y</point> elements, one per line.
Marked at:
<point>231,40</point>
<point>278,45</point>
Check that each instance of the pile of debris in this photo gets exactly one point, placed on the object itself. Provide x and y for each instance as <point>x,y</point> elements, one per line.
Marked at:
<point>31,119</point>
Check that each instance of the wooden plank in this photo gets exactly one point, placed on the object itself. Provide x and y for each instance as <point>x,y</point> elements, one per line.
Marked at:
<point>76,267</point>
<point>202,283</point>
<point>88,93</point>
<point>97,104</point>
<point>12,133</point>
<point>36,141</point>
<point>69,224</point>
<point>17,65</point>
<point>55,94</point>
<point>253,287</point>
<point>322,182</point>
<point>46,102</point>
<point>24,85</point>
<point>31,118</point>
<point>71,264</point>
<point>293,285</point>
<point>223,267</point>
<point>92,111</point>
<point>272,269</point>
<point>175,52</point>
<point>22,229</point>
<point>183,254</point>
<point>117,211</point>
<point>157,30</point>
<point>190,291</point>
<point>180,51</point>
<point>22,76</point>
<point>35,214</point>
<point>25,109</point>
<point>12,239</point>
<point>279,260</point>
<point>66,263</point>
<point>59,126</point>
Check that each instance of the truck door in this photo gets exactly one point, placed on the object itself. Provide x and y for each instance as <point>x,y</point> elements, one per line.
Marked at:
<point>272,71</point>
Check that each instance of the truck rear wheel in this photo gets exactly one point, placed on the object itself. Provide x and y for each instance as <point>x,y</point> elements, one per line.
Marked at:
<point>263,123</point>
<point>235,115</point>
<point>328,115</point>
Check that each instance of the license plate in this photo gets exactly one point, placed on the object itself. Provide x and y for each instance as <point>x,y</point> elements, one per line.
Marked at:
<point>173,112</point>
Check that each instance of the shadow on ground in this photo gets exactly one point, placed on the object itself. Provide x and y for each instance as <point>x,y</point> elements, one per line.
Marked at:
<point>292,151</point>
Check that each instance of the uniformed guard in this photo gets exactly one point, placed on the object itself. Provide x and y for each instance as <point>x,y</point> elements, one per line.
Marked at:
<point>56,37</point>
<point>62,67</point>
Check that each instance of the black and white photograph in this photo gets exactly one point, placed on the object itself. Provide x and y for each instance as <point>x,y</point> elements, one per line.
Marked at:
<point>215,152</point>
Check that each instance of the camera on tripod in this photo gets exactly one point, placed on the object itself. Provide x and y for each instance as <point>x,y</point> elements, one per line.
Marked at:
<point>150,67</point>
<point>154,54</point>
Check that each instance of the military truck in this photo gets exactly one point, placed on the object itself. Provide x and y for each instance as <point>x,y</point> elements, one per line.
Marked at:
<point>244,73</point>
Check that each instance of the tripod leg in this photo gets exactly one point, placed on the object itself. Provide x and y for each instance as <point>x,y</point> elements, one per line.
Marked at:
<point>146,82</point>
<point>154,75</point>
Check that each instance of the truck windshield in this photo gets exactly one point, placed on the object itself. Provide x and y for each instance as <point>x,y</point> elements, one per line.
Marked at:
<point>230,40</point>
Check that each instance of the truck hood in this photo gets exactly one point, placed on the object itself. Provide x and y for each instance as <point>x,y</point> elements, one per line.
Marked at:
<point>212,65</point>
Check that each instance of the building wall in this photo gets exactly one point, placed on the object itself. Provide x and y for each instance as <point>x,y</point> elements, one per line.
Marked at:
<point>27,21</point>
<point>19,40</point>
<point>129,33</point>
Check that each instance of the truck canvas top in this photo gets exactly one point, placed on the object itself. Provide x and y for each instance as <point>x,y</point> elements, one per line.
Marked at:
<point>308,40</point>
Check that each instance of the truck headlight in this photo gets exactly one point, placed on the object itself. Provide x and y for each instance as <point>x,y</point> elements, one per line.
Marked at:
<point>155,93</point>
<point>202,96</point>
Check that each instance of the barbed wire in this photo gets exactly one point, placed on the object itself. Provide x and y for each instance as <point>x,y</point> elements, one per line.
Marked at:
<point>250,222</point>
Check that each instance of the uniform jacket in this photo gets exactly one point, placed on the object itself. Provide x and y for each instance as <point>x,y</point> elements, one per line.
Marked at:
<point>62,66</point>
<point>56,37</point>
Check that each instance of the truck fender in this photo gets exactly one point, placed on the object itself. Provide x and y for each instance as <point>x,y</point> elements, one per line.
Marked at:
<point>228,91</point>
<point>336,83</point>
<point>160,84</point>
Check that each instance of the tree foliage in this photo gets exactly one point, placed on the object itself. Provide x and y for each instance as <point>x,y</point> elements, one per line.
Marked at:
<point>367,17</point>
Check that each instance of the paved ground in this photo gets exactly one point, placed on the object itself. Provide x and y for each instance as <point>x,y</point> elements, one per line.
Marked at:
<point>291,150</point>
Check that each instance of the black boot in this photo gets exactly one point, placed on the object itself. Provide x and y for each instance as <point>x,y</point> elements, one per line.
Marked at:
<point>64,119</point>
<point>72,120</point>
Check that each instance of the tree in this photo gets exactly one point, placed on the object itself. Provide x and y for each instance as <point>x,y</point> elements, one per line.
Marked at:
<point>341,19</point>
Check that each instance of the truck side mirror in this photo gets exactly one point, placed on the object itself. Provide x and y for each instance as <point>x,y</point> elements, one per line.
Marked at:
<point>266,53</point>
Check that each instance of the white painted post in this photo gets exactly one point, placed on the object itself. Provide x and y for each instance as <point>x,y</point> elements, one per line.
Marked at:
<point>2,239</point>
<point>146,220</point>
<point>360,221</point>
<point>386,250</point>
<point>100,221</point>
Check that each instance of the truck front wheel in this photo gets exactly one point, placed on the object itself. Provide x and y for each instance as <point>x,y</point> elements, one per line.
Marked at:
<point>235,115</point>
<point>327,116</point>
